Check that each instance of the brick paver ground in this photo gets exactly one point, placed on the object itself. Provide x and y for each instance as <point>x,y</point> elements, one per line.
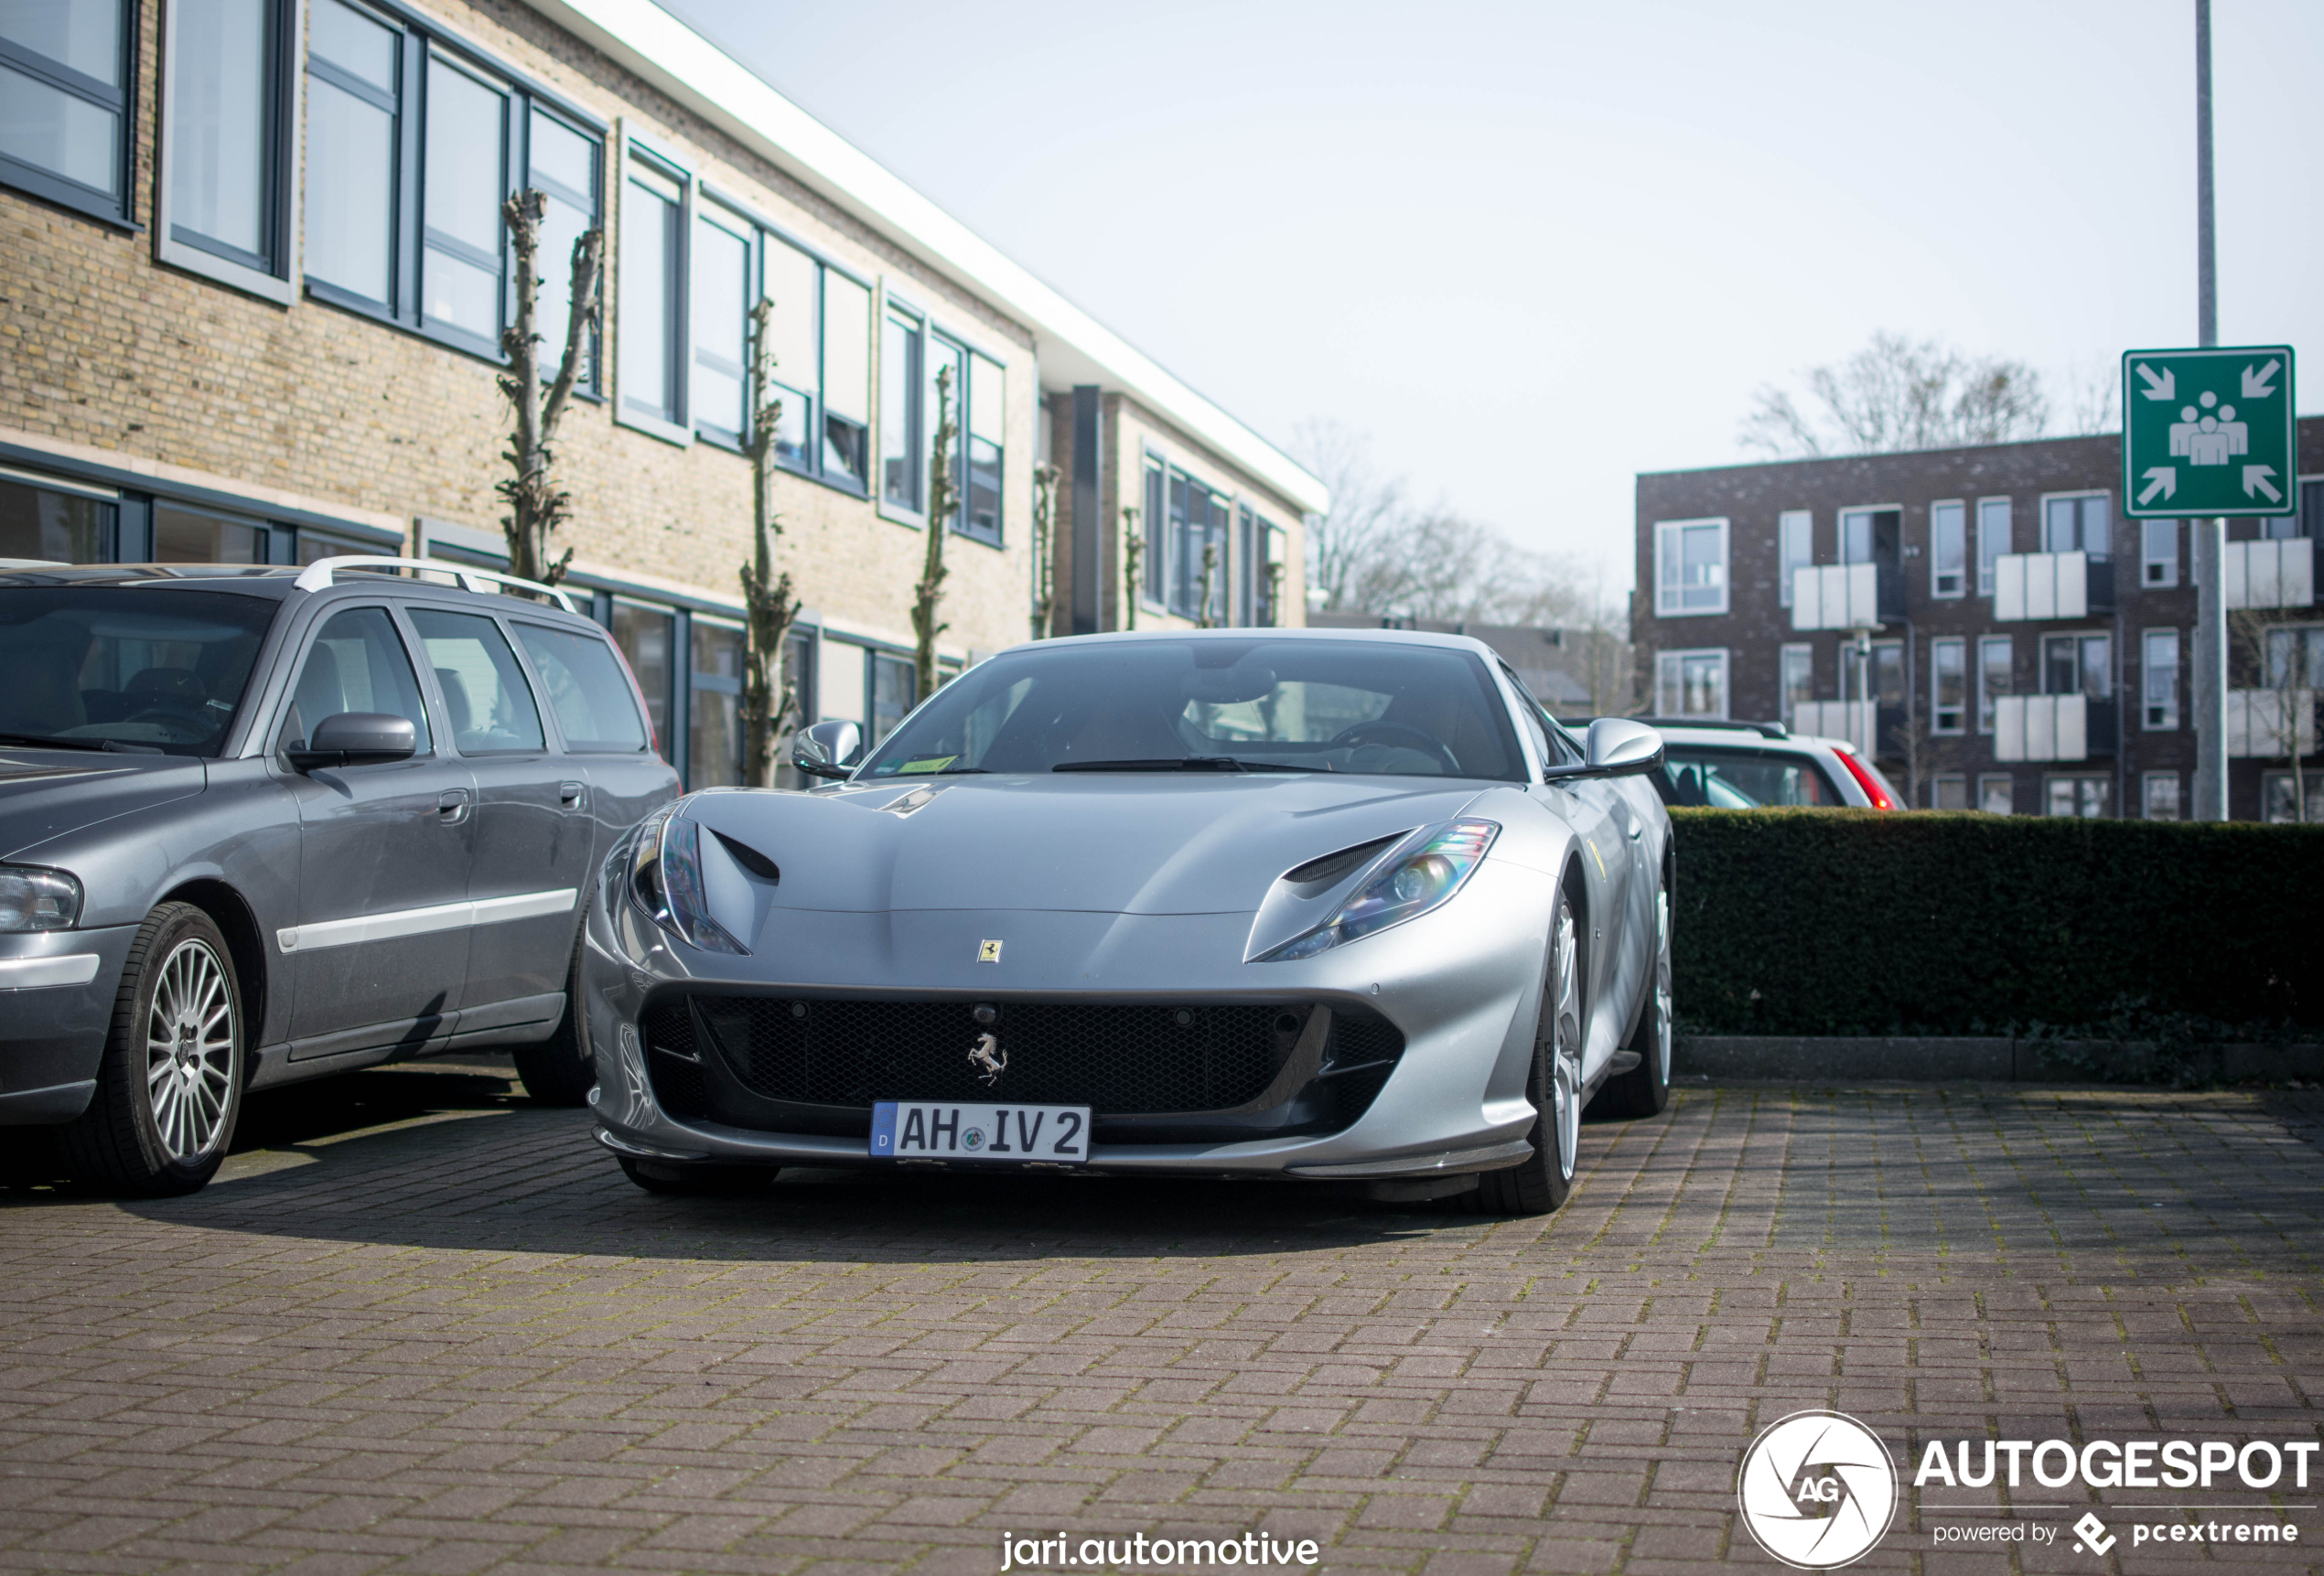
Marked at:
<point>421,1326</point>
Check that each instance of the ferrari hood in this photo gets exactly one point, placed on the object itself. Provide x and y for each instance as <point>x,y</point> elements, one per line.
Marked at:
<point>1133,843</point>
<point>45,793</point>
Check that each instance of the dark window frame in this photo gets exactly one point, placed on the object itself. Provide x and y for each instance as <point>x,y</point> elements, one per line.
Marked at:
<point>419,37</point>
<point>117,209</point>
<point>268,274</point>
<point>674,421</point>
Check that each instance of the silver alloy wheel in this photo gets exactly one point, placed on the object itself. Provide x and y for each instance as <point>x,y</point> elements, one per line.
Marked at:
<point>190,1049</point>
<point>1565,1049</point>
<point>1663,985</point>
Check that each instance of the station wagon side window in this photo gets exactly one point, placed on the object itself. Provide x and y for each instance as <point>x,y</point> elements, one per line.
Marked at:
<point>488,707</point>
<point>583,680</point>
<point>355,663</point>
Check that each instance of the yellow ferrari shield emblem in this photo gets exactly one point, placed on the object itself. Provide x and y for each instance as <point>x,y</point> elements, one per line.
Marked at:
<point>988,952</point>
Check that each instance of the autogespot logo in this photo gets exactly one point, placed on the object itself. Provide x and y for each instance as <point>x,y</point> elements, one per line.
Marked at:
<point>1817,1489</point>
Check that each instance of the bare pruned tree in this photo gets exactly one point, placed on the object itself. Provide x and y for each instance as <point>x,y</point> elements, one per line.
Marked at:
<point>1367,508</point>
<point>1898,394</point>
<point>537,506</point>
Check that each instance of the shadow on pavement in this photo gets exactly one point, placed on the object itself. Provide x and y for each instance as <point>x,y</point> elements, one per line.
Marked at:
<point>454,1155</point>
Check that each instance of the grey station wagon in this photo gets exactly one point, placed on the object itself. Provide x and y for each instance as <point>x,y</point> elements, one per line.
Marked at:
<point>259,825</point>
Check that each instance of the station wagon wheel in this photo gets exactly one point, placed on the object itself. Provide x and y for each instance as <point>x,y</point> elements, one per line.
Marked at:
<point>169,1087</point>
<point>1540,1182</point>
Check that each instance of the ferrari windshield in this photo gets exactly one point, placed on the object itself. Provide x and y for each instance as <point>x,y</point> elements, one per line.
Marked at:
<point>99,667</point>
<point>1377,707</point>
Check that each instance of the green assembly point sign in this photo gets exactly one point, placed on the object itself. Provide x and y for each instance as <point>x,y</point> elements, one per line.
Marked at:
<point>2208,432</point>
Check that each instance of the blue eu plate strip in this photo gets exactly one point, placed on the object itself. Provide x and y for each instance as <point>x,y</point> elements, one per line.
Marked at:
<point>883,1133</point>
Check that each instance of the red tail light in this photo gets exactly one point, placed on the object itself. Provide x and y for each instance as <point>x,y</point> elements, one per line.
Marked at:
<point>1866,780</point>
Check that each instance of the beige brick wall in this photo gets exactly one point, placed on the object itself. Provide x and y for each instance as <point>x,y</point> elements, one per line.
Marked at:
<point>102,345</point>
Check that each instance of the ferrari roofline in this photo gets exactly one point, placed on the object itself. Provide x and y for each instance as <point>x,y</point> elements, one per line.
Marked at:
<point>1343,637</point>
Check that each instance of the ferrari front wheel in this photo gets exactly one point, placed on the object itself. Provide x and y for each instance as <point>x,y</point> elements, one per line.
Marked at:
<point>1540,1182</point>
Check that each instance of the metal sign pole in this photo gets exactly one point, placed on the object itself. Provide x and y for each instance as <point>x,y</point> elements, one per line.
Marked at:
<point>2210,534</point>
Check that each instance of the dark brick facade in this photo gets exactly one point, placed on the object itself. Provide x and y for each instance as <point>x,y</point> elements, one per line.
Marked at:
<point>1757,623</point>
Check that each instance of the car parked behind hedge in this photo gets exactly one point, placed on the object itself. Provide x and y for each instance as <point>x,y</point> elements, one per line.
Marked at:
<point>1718,765</point>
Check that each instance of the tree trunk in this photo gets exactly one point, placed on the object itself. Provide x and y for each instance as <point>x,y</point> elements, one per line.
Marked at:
<point>770,609</point>
<point>942,500</point>
<point>1044,549</point>
<point>536,504</point>
<point>1133,550</point>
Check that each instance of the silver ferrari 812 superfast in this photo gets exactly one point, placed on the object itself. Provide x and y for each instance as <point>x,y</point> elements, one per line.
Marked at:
<point>1326,905</point>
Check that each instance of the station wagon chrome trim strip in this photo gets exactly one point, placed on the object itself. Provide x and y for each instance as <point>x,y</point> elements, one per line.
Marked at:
<point>33,973</point>
<point>420,921</point>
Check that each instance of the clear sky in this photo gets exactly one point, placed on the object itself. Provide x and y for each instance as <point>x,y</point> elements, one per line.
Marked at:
<point>1536,249</point>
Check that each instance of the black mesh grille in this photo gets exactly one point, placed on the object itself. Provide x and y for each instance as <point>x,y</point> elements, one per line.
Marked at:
<point>669,1043</point>
<point>1111,1058</point>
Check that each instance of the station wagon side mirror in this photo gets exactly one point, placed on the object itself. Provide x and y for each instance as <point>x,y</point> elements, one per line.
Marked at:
<point>827,749</point>
<point>355,738</point>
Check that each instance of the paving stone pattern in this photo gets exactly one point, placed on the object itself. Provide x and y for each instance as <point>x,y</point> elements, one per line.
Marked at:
<point>423,1326</point>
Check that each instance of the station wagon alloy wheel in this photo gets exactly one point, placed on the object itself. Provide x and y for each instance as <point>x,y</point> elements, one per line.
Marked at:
<point>190,1050</point>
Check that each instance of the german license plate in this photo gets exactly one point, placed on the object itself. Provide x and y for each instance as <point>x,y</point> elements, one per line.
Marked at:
<point>1018,1134</point>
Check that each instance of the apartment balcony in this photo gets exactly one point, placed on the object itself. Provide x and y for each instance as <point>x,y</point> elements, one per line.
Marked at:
<point>1846,596</point>
<point>1858,722</point>
<point>2053,727</point>
<point>2030,585</point>
<point>2269,574</point>
<point>2256,729</point>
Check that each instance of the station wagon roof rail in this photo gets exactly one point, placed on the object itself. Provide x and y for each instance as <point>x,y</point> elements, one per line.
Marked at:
<point>320,575</point>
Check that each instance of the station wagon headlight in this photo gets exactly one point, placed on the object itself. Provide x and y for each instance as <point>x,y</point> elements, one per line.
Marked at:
<point>665,880</point>
<point>1432,866</point>
<point>37,899</point>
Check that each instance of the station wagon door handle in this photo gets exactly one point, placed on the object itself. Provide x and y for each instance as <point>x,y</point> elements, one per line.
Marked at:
<point>569,796</point>
<point>452,806</point>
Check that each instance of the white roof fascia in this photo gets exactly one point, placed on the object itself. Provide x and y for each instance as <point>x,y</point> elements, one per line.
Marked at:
<point>1073,346</point>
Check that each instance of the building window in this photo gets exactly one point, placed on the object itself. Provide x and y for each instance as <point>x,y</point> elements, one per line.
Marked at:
<point>899,437</point>
<point>647,636</point>
<point>895,686</point>
<point>1997,794</point>
<point>714,711</point>
<point>846,380</point>
<point>55,522</point>
<point>2077,664</point>
<point>2159,553</point>
<point>1949,793</point>
<point>1690,683</point>
<point>987,427</point>
<point>1870,535</point>
<point>1886,679</point>
<point>418,239</point>
<point>354,99</point>
<point>185,535</point>
<point>653,272</point>
<point>2087,798</point>
<point>1993,538</point>
<point>1794,678</point>
<point>224,147</point>
<point>719,306</point>
<point>2282,806</point>
<point>2160,790</point>
<point>1948,549</point>
<point>64,71</point>
<point>1690,567</point>
<point>1948,685</point>
<point>1795,550</point>
<point>2158,662</point>
<point>819,332</point>
<point>1996,661</point>
<point>2295,656</point>
<point>1156,522</point>
<point>462,279</point>
<point>1197,519</point>
<point>2079,524</point>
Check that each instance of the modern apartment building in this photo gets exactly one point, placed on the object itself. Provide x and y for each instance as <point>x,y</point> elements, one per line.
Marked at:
<point>255,280</point>
<point>1984,621</point>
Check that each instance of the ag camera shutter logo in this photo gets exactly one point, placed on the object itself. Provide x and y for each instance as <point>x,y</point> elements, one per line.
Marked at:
<point>1817,1489</point>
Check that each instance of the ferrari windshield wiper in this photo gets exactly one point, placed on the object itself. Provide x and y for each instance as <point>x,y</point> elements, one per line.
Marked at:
<point>1184,764</point>
<point>33,741</point>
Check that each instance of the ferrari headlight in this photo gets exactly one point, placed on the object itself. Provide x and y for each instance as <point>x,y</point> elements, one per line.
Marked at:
<point>665,881</point>
<point>1424,872</point>
<point>37,899</point>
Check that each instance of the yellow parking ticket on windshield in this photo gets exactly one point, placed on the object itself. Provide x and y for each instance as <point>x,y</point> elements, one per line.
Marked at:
<point>925,764</point>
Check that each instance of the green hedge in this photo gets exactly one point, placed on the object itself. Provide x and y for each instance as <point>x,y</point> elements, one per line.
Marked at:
<point>1855,922</point>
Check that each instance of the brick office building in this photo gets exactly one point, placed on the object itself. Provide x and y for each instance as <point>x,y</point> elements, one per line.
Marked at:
<point>254,282</point>
<point>2029,647</point>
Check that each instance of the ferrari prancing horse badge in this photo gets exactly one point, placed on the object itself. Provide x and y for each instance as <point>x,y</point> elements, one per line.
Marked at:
<point>988,952</point>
